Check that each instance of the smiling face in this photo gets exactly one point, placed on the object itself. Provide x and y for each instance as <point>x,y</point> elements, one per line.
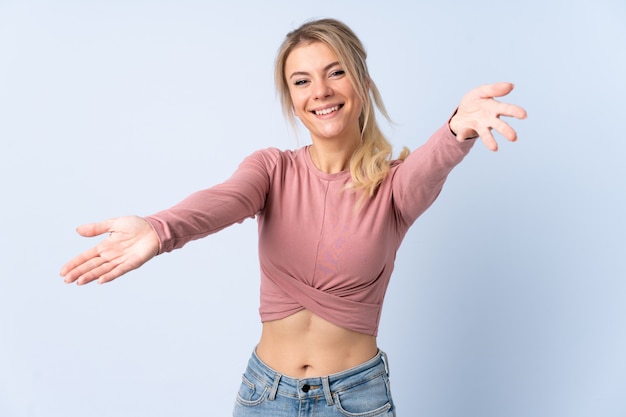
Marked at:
<point>322,95</point>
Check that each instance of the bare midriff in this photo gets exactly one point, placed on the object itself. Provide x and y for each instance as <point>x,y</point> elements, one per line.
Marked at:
<point>304,345</point>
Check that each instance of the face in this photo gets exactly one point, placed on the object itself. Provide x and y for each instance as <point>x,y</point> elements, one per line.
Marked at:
<point>322,95</point>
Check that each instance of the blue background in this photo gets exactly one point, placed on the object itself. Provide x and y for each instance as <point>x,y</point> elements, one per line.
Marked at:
<point>508,295</point>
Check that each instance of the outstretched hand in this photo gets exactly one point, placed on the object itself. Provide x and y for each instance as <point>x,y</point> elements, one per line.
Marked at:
<point>479,112</point>
<point>130,244</point>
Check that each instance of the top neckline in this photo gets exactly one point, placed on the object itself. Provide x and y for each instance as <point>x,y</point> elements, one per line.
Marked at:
<point>319,173</point>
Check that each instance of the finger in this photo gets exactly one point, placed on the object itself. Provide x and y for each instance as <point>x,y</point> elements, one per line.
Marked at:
<point>510,110</point>
<point>488,140</point>
<point>116,272</point>
<point>69,268</point>
<point>94,229</point>
<point>96,273</point>
<point>87,268</point>
<point>505,130</point>
<point>81,277</point>
<point>492,90</point>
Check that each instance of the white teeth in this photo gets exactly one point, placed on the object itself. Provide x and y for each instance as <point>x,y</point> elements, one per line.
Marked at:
<point>326,111</point>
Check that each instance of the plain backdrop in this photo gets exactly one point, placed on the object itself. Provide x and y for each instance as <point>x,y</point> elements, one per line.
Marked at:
<point>508,295</point>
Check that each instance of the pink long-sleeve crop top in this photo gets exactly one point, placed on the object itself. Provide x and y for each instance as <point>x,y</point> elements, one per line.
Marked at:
<point>318,249</point>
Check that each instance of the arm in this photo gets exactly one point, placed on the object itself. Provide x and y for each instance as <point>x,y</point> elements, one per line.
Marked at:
<point>209,211</point>
<point>133,240</point>
<point>419,180</point>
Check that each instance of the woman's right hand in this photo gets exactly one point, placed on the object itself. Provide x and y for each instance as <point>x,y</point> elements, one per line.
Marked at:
<point>130,244</point>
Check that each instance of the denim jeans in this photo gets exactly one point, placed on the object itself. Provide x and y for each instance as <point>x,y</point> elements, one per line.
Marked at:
<point>361,391</point>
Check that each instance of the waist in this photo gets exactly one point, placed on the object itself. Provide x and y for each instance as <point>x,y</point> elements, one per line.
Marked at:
<point>305,345</point>
<point>315,386</point>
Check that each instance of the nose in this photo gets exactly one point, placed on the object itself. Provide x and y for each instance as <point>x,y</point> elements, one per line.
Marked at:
<point>322,90</point>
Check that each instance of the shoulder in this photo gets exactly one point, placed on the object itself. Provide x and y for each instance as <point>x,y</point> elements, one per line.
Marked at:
<point>275,154</point>
<point>278,156</point>
<point>271,159</point>
<point>267,154</point>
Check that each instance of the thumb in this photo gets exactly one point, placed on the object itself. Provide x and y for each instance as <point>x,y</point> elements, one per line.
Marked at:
<point>495,90</point>
<point>94,229</point>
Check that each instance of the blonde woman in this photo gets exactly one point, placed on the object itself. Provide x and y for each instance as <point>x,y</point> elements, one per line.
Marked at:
<point>331,217</point>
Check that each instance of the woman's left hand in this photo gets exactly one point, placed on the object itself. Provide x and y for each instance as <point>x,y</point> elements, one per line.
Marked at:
<point>479,113</point>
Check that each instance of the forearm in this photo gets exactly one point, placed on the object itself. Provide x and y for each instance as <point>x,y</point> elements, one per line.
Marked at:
<point>199,215</point>
<point>211,210</point>
<point>420,178</point>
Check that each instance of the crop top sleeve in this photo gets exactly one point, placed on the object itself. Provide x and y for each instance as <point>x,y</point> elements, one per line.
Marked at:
<point>208,211</point>
<point>417,181</point>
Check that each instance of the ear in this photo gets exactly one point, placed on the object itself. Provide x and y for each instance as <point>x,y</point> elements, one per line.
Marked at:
<point>295,113</point>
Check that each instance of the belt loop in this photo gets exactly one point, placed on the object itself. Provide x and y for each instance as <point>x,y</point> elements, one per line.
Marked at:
<point>274,390</point>
<point>385,361</point>
<point>327,393</point>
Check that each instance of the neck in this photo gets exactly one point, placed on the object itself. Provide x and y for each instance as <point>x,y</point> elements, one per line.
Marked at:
<point>332,157</point>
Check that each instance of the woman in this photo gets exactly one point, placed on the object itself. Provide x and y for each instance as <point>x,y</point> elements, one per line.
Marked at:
<point>331,217</point>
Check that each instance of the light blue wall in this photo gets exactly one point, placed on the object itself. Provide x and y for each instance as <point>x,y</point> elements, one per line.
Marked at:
<point>508,296</point>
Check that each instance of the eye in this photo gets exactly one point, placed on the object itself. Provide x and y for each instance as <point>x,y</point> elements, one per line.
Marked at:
<point>300,82</point>
<point>337,73</point>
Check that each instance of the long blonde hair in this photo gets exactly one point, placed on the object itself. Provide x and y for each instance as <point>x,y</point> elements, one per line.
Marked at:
<point>369,164</point>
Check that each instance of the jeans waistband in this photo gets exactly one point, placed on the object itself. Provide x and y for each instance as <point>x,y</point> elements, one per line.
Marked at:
<point>314,387</point>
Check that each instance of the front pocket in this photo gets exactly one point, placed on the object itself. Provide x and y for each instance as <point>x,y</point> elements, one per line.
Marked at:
<point>370,399</point>
<point>251,394</point>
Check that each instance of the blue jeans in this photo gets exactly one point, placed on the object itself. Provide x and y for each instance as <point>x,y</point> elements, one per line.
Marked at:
<point>361,391</point>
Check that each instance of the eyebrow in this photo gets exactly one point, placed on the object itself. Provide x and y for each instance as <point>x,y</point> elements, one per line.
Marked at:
<point>326,68</point>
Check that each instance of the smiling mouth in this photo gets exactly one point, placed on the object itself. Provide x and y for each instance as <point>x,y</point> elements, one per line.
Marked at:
<point>329,110</point>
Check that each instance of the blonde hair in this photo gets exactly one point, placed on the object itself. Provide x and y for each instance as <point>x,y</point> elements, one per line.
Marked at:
<point>369,164</point>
